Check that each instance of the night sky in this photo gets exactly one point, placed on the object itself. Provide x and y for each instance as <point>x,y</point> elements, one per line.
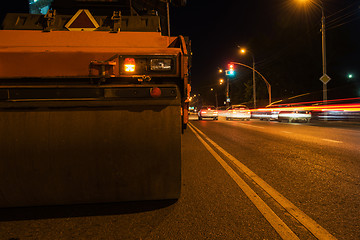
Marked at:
<point>285,40</point>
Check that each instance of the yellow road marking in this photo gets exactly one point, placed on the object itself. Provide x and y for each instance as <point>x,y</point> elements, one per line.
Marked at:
<point>280,227</point>
<point>318,231</point>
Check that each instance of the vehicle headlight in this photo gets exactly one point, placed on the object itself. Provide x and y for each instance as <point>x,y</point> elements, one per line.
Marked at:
<point>163,64</point>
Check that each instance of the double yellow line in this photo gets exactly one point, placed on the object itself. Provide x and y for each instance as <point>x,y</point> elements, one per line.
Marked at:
<point>280,227</point>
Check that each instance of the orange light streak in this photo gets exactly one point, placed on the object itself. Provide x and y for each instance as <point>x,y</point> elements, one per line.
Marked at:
<point>349,107</point>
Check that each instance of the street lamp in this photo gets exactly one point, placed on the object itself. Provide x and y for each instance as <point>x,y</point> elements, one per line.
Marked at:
<point>243,51</point>
<point>216,98</point>
<point>324,78</point>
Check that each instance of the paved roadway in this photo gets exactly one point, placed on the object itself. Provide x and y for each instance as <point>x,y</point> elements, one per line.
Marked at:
<point>242,180</point>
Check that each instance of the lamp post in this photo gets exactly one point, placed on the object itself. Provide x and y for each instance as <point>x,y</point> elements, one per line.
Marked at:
<point>324,78</point>
<point>243,51</point>
<point>221,82</point>
<point>216,98</point>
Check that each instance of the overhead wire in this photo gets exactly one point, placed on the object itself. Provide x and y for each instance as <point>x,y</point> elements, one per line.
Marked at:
<point>341,10</point>
<point>334,20</point>
<point>330,24</point>
<point>340,24</point>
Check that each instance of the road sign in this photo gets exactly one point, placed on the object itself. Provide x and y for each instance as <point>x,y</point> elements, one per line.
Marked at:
<point>325,79</point>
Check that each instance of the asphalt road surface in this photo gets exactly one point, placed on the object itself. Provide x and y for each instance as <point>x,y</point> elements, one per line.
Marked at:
<point>240,180</point>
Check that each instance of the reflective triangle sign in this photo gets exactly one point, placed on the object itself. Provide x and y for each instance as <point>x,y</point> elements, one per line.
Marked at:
<point>82,21</point>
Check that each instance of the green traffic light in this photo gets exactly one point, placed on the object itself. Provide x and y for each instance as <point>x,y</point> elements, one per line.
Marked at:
<point>230,72</point>
<point>350,76</point>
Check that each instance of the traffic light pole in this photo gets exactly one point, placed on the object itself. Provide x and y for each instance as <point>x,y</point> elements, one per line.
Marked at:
<point>255,71</point>
<point>254,85</point>
<point>227,92</point>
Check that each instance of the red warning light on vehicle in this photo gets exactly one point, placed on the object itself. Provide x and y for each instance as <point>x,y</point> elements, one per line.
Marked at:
<point>129,64</point>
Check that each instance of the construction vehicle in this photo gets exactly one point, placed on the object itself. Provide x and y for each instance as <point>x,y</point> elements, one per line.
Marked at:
<point>92,106</point>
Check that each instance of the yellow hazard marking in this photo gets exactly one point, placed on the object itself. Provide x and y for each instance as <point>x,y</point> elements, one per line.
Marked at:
<point>82,17</point>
